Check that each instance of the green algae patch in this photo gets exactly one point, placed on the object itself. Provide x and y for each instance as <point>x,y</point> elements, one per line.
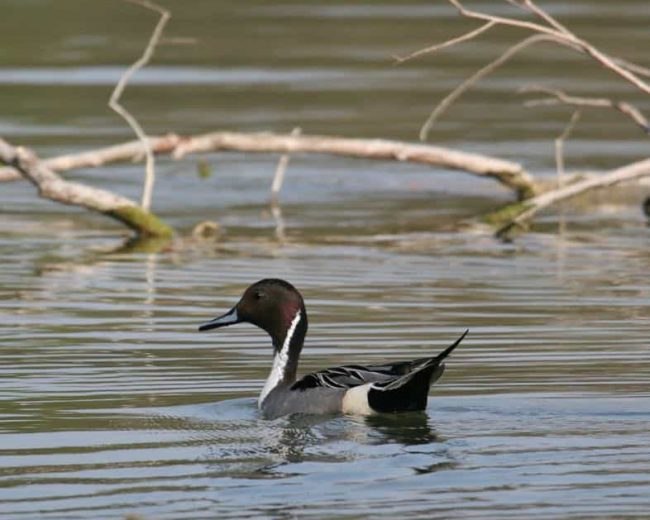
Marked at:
<point>506,214</point>
<point>527,192</point>
<point>145,244</point>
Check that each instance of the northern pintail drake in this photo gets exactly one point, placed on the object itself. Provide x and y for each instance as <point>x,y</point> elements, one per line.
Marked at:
<point>278,308</point>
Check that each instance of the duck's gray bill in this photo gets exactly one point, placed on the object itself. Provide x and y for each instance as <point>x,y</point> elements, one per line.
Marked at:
<point>230,318</point>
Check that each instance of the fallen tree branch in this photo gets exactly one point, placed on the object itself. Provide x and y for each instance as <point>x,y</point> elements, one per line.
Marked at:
<point>114,101</point>
<point>520,213</point>
<point>129,151</point>
<point>53,187</point>
<point>510,174</point>
<point>558,97</point>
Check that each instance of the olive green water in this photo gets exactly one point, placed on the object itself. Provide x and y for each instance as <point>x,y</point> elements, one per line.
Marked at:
<point>111,403</point>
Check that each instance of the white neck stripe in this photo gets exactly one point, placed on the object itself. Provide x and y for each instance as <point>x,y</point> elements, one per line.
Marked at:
<point>280,361</point>
<point>290,332</point>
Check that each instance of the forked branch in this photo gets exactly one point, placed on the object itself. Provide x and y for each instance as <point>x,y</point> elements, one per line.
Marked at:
<point>549,30</point>
<point>114,101</point>
<point>450,98</point>
<point>558,97</point>
<point>562,35</point>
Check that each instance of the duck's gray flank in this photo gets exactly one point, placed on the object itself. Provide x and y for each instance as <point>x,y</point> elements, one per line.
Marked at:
<point>277,307</point>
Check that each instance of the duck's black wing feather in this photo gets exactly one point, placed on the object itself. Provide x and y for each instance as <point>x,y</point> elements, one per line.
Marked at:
<point>349,376</point>
<point>410,391</point>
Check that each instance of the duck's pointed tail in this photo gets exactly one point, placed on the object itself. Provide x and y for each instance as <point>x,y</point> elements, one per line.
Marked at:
<point>410,391</point>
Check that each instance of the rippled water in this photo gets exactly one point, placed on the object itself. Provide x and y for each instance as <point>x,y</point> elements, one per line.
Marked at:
<point>111,403</point>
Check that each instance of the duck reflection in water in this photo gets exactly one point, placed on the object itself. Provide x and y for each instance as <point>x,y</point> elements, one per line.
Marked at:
<point>342,439</point>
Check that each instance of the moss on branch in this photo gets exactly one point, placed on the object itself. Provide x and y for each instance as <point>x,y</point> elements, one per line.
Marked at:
<point>505,214</point>
<point>143,222</point>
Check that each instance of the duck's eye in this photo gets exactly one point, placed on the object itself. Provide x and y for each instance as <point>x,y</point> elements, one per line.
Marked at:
<point>258,295</point>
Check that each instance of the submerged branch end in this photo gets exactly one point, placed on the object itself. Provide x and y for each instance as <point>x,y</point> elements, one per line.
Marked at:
<point>518,215</point>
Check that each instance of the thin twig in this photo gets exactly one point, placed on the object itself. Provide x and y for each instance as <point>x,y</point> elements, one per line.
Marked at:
<point>533,8</point>
<point>478,75</point>
<point>449,43</point>
<point>634,67</point>
<point>113,102</point>
<point>559,146</point>
<point>535,27</point>
<point>562,36</point>
<point>281,169</point>
<point>276,186</point>
<point>280,227</point>
<point>561,98</point>
<point>554,31</point>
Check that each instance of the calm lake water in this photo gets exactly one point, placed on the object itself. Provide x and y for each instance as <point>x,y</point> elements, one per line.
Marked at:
<point>112,404</point>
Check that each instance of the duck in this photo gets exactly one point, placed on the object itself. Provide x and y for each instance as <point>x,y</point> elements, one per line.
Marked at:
<point>276,306</point>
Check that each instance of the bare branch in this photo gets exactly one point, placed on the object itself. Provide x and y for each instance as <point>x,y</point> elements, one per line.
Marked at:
<point>477,76</point>
<point>562,36</point>
<point>280,227</point>
<point>535,27</point>
<point>559,146</point>
<point>531,207</point>
<point>278,178</point>
<point>557,33</point>
<point>276,186</point>
<point>53,187</point>
<point>131,151</point>
<point>611,64</point>
<point>121,85</point>
<point>532,7</point>
<point>510,174</point>
<point>637,69</point>
<point>561,98</point>
<point>449,43</point>
<point>554,31</point>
